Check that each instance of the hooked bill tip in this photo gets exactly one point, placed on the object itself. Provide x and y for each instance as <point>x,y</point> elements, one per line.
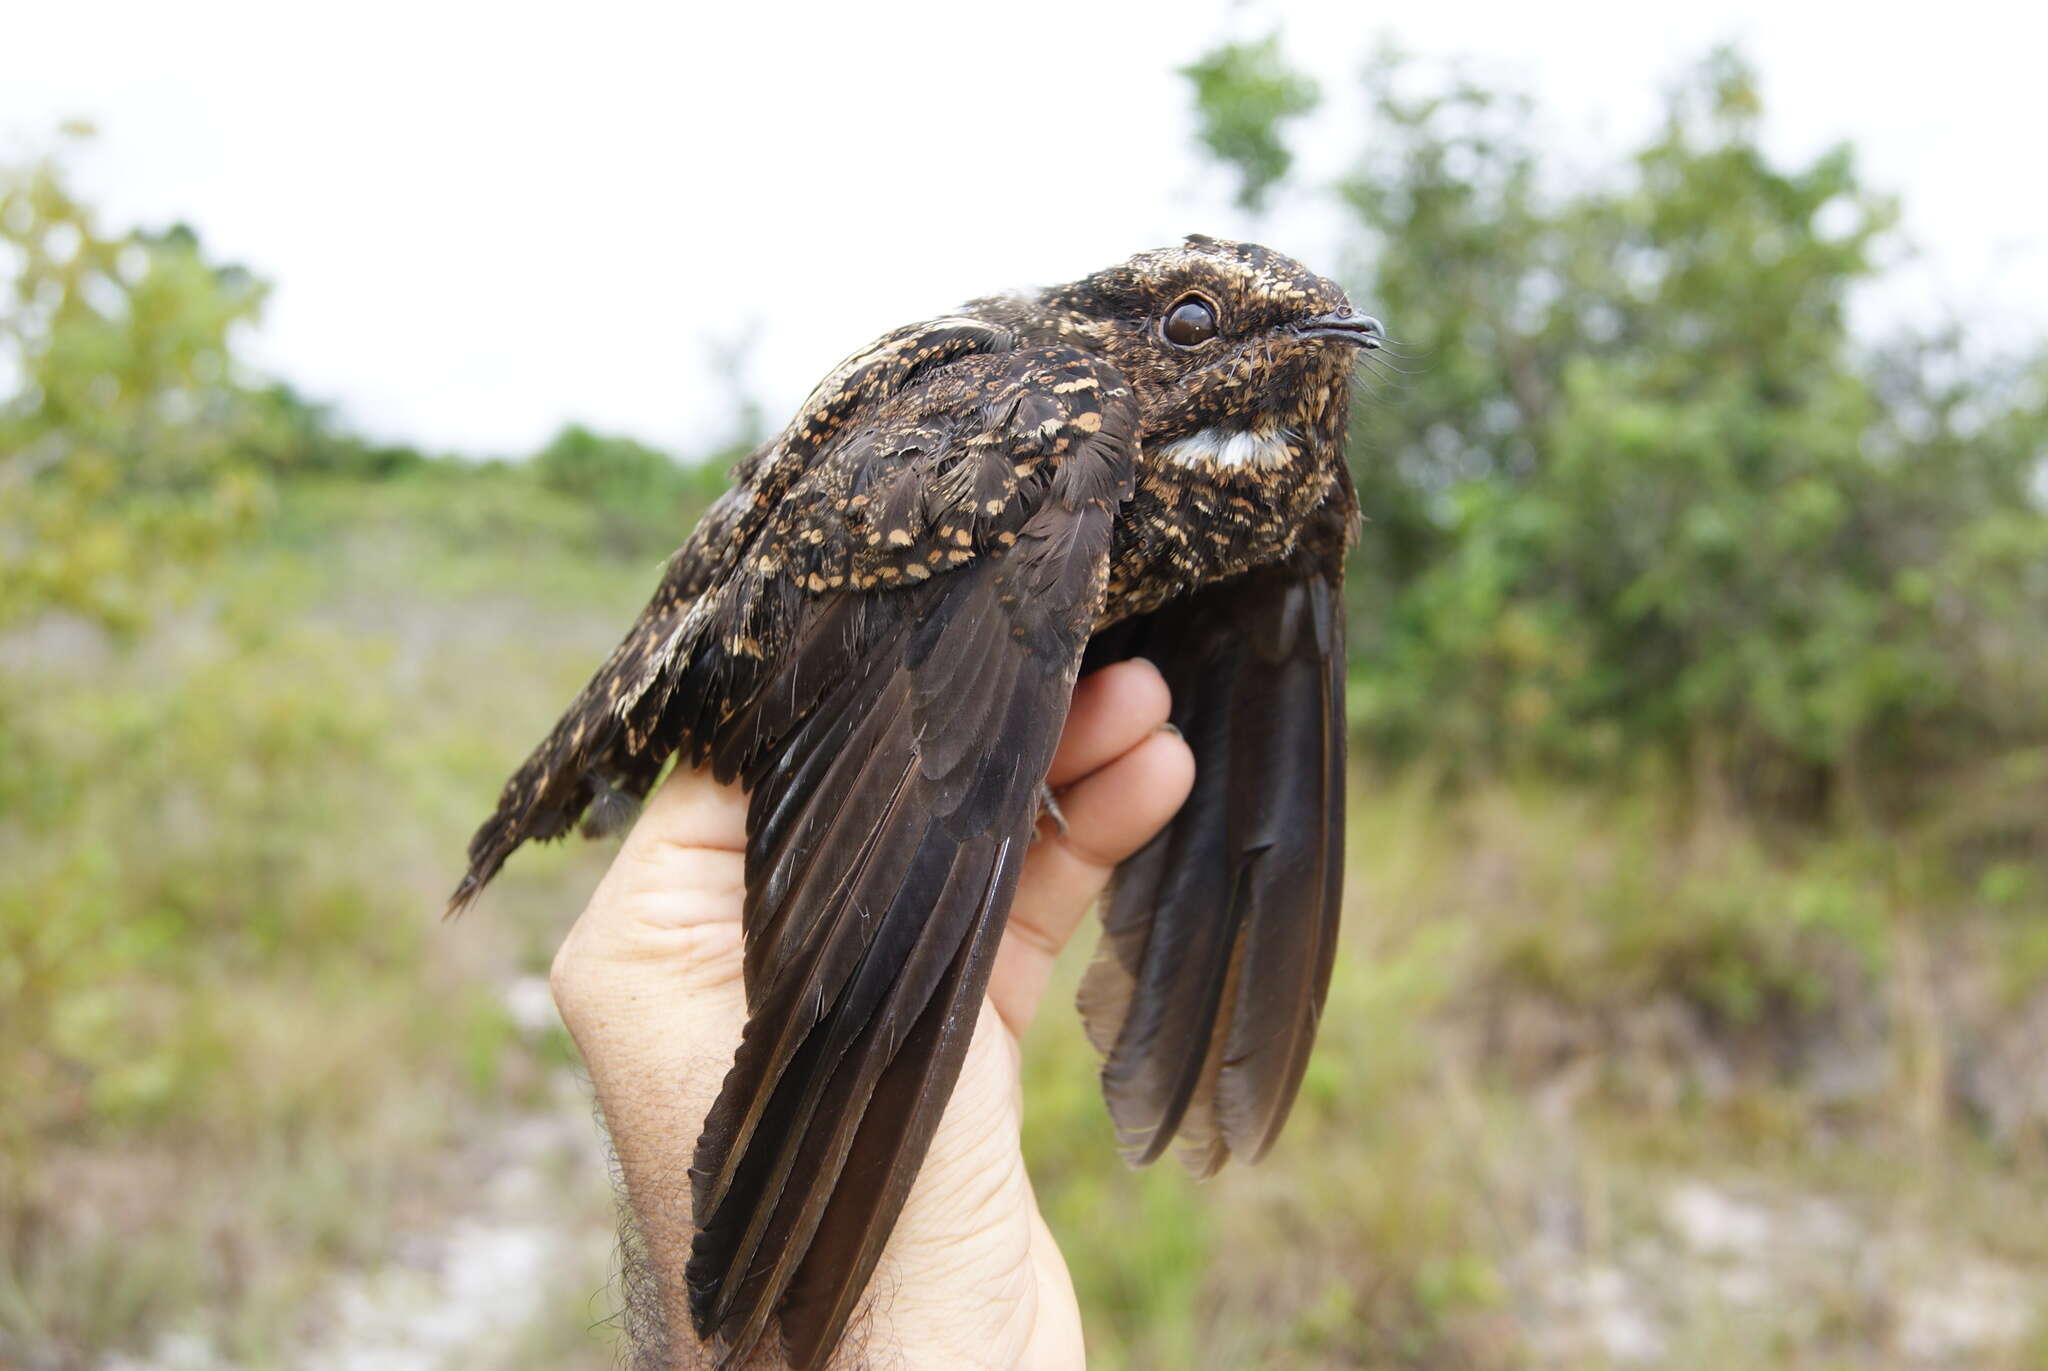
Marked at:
<point>1362,330</point>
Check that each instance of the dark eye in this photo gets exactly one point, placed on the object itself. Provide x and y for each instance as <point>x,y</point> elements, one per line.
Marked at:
<point>1190,323</point>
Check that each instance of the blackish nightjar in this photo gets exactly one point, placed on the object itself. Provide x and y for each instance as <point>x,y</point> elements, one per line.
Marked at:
<point>877,631</point>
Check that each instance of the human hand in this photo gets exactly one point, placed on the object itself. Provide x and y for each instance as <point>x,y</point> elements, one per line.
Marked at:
<point>649,984</point>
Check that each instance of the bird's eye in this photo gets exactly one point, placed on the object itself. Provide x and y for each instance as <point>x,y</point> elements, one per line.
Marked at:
<point>1190,323</point>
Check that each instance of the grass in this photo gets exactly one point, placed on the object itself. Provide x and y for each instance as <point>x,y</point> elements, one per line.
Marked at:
<point>236,1028</point>
<point>1554,1019</point>
<point>245,1061</point>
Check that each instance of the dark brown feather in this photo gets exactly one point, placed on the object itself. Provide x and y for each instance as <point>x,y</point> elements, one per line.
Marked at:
<point>1219,933</point>
<point>891,756</point>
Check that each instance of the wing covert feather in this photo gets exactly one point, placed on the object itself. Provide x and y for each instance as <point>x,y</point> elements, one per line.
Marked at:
<point>613,741</point>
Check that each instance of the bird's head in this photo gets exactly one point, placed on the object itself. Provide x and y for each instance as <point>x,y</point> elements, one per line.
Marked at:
<point>1241,357</point>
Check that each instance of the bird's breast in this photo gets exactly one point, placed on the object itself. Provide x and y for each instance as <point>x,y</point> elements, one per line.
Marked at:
<point>1186,526</point>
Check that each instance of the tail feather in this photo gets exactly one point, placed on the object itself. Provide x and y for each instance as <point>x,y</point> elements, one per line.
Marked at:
<point>1218,935</point>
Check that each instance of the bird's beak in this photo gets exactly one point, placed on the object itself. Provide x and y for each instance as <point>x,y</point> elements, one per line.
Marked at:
<point>1346,327</point>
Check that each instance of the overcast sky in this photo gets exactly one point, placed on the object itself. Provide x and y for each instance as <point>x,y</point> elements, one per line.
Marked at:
<point>483,220</point>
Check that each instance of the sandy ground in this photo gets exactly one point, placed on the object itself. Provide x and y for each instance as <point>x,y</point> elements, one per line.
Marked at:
<point>464,1293</point>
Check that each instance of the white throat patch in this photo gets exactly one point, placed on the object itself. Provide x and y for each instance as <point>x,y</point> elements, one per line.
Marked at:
<point>1221,447</point>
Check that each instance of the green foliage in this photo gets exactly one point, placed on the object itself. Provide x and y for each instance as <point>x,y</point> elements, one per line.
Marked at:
<point>226,819</point>
<point>1640,510</point>
<point>234,1032</point>
<point>583,464</point>
<point>648,501</point>
<point>1635,495</point>
<point>123,451</point>
<point>295,436</point>
<point>135,446</point>
<point>1245,93</point>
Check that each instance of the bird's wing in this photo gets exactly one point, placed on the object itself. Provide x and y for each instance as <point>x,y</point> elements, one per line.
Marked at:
<point>888,672</point>
<point>1219,934</point>
<point>612,742</point>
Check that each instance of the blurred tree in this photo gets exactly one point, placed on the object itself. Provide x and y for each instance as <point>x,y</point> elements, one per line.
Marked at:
<point>1636,491</point>
<point>1245,94</point>
<point>187,799</point>
<point>646,500</point>
<point>292,435</point>
<point>592,466</point>
<point>123,445</point>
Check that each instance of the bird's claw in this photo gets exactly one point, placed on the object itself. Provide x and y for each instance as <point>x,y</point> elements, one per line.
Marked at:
<point>1049,807</point>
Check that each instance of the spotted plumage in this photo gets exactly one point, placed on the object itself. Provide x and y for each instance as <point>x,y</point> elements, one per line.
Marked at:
<point>877,630</point>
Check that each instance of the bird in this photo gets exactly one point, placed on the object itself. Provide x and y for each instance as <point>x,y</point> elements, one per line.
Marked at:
<point>876,630</point>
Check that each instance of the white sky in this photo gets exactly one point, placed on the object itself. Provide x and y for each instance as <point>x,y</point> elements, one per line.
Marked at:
<point>483,220</point>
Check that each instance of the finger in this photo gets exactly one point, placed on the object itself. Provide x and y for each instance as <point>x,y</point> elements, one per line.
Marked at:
<point>1110,815</point>
<point>667,914</point>
<point>683,863</point>
<point>693,810</point>
<point>1114,710</point>
<point>675,869</point>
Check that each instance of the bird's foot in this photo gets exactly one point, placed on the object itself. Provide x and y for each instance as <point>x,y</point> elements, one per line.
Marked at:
<point>1049,807</point>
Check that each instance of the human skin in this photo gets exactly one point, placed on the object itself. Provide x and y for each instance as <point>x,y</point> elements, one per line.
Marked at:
<point>649,984</point>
